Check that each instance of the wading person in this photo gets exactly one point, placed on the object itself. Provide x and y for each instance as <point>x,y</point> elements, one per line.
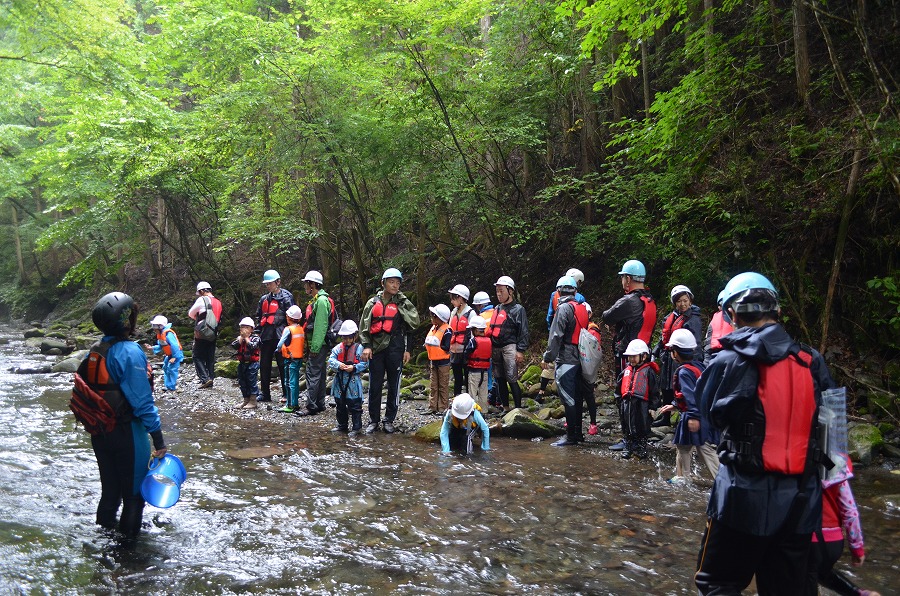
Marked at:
<point>272,316</point>
<point>761,391</point>
<point>169,346</point>
<point>509,337</point>
<point>345,360</point>
<point>117,370</point>
<point>204,353</point>
<point>387,321</point>
<point>548,374</point>
<point>461,422</point>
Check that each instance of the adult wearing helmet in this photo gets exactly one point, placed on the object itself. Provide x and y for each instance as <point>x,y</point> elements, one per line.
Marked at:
<point>272,316</point>
<point>548,373</point>
<point>717,329</point>
<point>634,317</point>
<point>460,334</point>
<point>204,353</point>
<point>685,315</point>
<point>320,314</point>
<point>122,453</point>
<point>562,349</point>
<point>385,331</point>
<point>762,391</point>
<point>509,336</point>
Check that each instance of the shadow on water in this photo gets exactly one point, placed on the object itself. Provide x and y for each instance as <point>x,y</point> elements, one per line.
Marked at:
<point>330,515</point>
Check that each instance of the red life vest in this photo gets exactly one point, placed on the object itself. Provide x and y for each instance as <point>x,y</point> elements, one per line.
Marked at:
<point>458,325</point>
<point>673,321</point>
<point>348,355</point>
<point>636,383</point>
<point>269,308</point>
<point>581,322</point>
<point>787,394</point>
<point>384,317</point>
<point>720,328</point>
<point>245,354</point>
<point>497,319</point>
<point>680,402</point>
<point>294,350</point>
<point>311,317</point>
<point>646,331</point>
<point>167,347</point>
<point>480,358</point>
<point>97,402</point>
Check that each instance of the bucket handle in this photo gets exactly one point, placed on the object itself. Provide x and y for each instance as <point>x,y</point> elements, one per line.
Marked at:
<point>150,465</point>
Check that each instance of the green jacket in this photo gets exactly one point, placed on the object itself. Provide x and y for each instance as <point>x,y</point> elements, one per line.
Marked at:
<point>408,315</point>
<point>321,311</point>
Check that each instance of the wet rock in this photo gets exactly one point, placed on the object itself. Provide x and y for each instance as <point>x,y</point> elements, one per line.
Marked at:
<point>430,432</point>
<point>54,352</point>
<point>543,414</point>
<point>33,332</point>
<point>49,343</point>
<point>38,370</point>
<point>56,335</point>
<point>70,364</point>
<point>531,375</point>
<point>864,441</point>
<point>891,451</point>
<point>34,342</point>
<point>524,424</point>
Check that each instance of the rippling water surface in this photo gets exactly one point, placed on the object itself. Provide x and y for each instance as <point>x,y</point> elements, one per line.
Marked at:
<point>373,515</point>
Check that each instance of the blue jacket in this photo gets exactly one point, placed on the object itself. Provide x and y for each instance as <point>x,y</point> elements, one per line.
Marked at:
<point>172,340</point>
<point>551,312</point>
<point>686,383</point>
<point>127,367</point>
<point>347,385</point>
<point>754,502</point>
<point>479,421</point>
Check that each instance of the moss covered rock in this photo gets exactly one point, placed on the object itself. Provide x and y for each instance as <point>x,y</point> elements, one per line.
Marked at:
<point>227,369</point>
<point>524,424</point>
<point>864,441</point>
<point>431,432</point>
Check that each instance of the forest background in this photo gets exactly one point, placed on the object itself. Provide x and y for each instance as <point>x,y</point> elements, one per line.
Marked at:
<point>148,144</point>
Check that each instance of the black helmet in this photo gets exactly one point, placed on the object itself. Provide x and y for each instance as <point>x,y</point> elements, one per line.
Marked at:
<point>115,314</point>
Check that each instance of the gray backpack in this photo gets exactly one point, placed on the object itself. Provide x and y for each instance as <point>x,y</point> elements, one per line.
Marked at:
<point>207,328</point>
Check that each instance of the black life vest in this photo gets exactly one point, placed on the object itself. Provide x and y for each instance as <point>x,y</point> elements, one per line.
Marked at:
<point>97,402</point>
<point>636,381</point>
<point>384,317</point>
<point>311,315</point>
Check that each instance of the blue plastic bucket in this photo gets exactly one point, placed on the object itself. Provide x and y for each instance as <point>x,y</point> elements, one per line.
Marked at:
<point>162,484</point>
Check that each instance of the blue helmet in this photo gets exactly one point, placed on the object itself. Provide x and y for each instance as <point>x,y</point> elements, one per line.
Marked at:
<point>736,289</point>
<point>720,298</point>
<point>634,269</point>
<point>392,272</point>
<point>567,283</point>
<point>270,275</point>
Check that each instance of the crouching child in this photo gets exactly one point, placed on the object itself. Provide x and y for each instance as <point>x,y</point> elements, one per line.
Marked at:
<point>461,422</point>
<point>346,360</point>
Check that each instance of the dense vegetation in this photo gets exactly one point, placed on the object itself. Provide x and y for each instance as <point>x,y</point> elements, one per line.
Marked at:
<point>153,143</point>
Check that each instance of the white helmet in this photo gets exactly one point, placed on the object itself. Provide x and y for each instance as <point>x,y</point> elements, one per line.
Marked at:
<point>682,339</point>
<point>348,328</point>
<point>159,320</point>
<point>460,290</point>
<point>577,274</point>
<point>480,299</point>
<point>203,286</point>
<point>635,347</point>
<point>588,308</point>
<point>505,280</point>
<point>477,322</point>
<point>314,276</point>
<point>246,322</point>
<point>678,290</point>
<point>295,312</point>
<point>463,405</point>
<point>441,311</point>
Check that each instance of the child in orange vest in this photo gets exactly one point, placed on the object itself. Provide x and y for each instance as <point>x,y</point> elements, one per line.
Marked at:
<point>291,344</point>
<point>478,352</point>
<point>167,343</point>
<point>437,345</point>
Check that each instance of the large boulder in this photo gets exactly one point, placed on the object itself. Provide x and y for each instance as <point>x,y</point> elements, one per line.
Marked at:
<point>431,432</point>
<point>227,369</point>
<point>33,332</point>
<point>522,423</point>
<point>49,344</point>
<point>863,442</point>
<point>70,364</point>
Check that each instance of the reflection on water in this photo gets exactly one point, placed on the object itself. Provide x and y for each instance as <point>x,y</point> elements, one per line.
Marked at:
<point>376,514</point>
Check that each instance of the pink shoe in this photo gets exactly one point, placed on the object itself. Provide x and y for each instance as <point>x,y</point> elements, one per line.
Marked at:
<point>592,430</point>
<point>565,425</point>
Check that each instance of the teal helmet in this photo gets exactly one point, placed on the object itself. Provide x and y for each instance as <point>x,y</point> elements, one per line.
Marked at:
<point>270,275</point>
<point>634,269</point>
<point>567,284</point>
<point>738,287</point>
<point>720,298</point>
<point>392,272</point>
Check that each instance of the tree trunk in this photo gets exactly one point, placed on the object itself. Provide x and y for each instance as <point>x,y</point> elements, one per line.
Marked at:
<point>422,272</point>
<point>801,52</point>
<point>840,241</point>
<point>708,7</point>
<point>23,279</point>
<point>645,72</point>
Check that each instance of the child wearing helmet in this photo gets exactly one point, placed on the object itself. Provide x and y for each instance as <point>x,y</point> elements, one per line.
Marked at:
<point>346,362</point>
<point>437,346</point>
<point>693,431</point>
<point>481,302</point>
<point>717,329</point>
<point>291,345</point>
<point>461,422</point>
<point>685,315</point>
<point>478,352</point>
<point>636,388</point>
<point>459,327</point>
<point>167,343</point>
<point>247,346</point>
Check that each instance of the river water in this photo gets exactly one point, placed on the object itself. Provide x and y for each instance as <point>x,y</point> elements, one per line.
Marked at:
<point>373,515</point>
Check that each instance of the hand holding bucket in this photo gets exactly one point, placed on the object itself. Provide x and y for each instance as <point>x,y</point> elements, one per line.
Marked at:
<point>162,484</point>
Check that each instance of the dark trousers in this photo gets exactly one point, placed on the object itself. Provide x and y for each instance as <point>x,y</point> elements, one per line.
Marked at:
<point>315,380</point>
<point>728,559</point>
<point>822,558</point>
<point>266,352</point>
<point>347,410</point>
<point>248,379</point>
<point>122,457</point>
<point>205,359</point>
<point>460,380</point>
<point>387,362</point>
<point>571,394</point>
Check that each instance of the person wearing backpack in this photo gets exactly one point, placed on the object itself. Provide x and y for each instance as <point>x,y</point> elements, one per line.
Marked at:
<point>320,314</point>
<point>762,392</point>
<point>117,370</point>
<point>206,312</point>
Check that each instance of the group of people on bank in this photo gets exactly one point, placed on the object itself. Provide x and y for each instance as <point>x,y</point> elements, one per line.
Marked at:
<point>747,397</point>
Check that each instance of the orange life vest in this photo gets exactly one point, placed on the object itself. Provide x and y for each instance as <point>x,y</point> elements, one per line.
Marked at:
<point>498,317</point>
<point>673,321</point>
<point>435,352</point>
<point>269,308</point>
<point>636,382</point>
<point>720,328</point>
<point>97,402</point>
<point>646,331</point>
<point>458,325</point>
<point>166,346</point>
<point>486,315</point>
<point>680,402</point>
<point>298,342</point>
<point>384,317</point>
<point>594,329</point>
<point>480,358</point>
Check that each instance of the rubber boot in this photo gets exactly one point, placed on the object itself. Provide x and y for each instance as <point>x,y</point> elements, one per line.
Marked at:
<point>503,391</point>
<point>517,393</point>
<point>628,452</point>
<point>356,421</point>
